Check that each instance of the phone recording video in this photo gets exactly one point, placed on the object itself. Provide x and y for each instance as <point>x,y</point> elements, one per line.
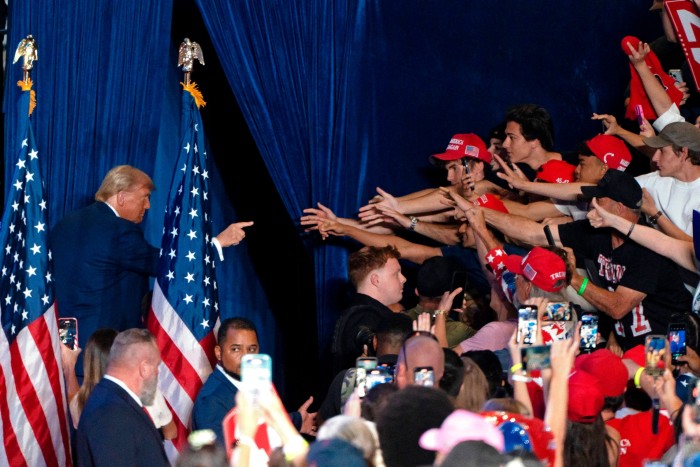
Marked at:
<point>424,376</point>
<point>556,322</point>
<point>589,332</point>
<point>676,341</point>
<point>363,366</point>
<point>535,357</point>
<point>68,332</point>
<point>527,325</point>
<point>655,348</point>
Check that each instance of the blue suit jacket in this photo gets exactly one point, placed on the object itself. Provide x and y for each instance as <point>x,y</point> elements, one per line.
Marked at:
<point>101,265</point>
<point>114,431</point>
<point>216,398</point>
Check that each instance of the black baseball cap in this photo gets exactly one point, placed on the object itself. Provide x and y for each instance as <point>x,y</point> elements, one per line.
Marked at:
<point>618,186</point>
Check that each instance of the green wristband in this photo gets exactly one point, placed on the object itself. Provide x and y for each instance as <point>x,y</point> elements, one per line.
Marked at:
<point>584,284</point>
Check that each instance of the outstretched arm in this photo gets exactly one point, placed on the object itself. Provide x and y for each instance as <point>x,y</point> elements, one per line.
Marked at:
<point>410,251</point>
<point>680,251</point>
<point>513,175</point>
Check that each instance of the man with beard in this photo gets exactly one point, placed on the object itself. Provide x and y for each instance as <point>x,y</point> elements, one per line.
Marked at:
<point>236,337</point>
<point>115,428</point>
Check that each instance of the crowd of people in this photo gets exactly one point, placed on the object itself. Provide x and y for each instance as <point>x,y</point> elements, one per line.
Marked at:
<point>547,283</point>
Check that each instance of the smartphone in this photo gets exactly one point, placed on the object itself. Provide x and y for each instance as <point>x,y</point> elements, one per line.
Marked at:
<point>468,171</point>
<point>589,332</point>
<point>424,376</point>
<point>459,279</point>
<point>256,375</point>
<point>377,376</point>
<point>68,332</point>
<point>640,114</point>
<point>655,348</point>
<point>556,322</point>
<point>363,365</point>
<point>535,357</point>
<point>676,74</point>
<point>527,325</point>
<point>676,341</point>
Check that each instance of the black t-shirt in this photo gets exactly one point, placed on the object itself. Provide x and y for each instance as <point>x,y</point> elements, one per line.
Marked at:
<point>355,327</point>
<point>635,267</point>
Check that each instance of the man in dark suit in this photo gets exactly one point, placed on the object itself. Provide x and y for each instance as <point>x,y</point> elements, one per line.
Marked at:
<point>114,427</point>
<point>102,260</point>
<point>236,337</point>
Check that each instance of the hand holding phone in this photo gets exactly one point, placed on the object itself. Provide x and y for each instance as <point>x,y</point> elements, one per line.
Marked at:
<point>363,365</point>
<point>68,332</point>
<point>527,325</point>
<point>676,340</point>
<point>655,347</point>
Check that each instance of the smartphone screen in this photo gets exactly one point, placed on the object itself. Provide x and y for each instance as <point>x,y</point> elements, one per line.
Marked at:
<point>424,376</point>
<point>655,348</point>
<point>589,331</point>
<point>527,324</point>
<point>556,322</point>
<point>676,74</point>
<point>535,357</point>
<point>363,365</point>
<point>459,279</point>
<point>676,341</point>
<point>256,374</point>
<point>377,376</point>
<point>68,332</point>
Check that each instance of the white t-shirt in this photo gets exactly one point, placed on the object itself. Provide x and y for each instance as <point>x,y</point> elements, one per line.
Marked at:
<point>672,115</point>
<point>674,198</point>
<point>577,210</point>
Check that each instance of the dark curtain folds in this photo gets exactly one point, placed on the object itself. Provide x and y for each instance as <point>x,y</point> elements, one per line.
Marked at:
<point>298,72</point>
<point>98,83</point>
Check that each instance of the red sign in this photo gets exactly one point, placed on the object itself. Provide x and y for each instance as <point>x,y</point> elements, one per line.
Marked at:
<point>685,17</point>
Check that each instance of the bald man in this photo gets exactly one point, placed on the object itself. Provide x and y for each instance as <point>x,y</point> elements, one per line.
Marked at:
<point>419,351</point>
<point>115,428</point>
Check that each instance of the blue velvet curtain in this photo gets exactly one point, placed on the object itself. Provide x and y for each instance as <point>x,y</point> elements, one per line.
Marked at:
<point>298,72</point>
<point>108,93</point>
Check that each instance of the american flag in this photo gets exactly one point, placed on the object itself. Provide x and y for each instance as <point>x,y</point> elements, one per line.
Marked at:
<point>32,397</point>
<point>185,305</point>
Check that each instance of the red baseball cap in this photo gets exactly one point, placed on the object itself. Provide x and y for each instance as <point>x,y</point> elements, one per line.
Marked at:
<point>586,399</point>
<point>542,267</point>
<point>540,435</point>
<point>637,354</point>
<point>487,200</point>
<point>607,368</point>
<point>611,151</point>
<point>556,171</point>
<point>465,145</point>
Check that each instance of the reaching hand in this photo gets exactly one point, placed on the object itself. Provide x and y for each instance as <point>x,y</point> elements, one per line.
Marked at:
<point>512,174</point>
<point>233,234</point>
<point>682,86</point>
<point>308,420</point>
<point>599,217</point>
<point>609,121</point>
<point>369,212</point>
<point>315,217</point>
<point>390,215</point>
<point>331,228</point>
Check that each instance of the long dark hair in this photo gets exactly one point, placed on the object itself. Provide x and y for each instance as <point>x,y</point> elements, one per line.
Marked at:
<point>95,362</point>
<point>587,444</point>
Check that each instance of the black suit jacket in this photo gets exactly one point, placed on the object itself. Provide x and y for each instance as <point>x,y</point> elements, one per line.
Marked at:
<point>101,265</point>
<point>115,431</point>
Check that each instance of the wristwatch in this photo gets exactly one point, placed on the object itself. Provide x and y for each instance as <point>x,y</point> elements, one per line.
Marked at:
<point>653,220</point>
<point>414,222</point>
